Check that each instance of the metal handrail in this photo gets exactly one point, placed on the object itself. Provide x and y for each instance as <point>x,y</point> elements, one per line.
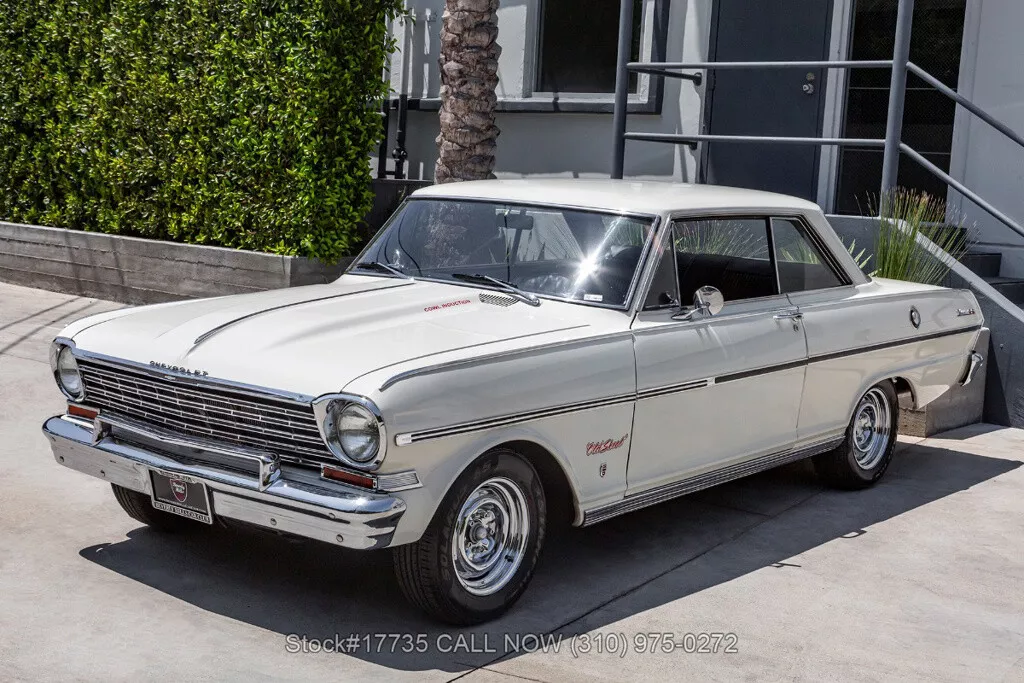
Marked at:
<point>893,144</point>
<point>671,70</point>
<point>965,103</point>
<point>819,64</point>
<point>692,140</point>
<point>961,188</point>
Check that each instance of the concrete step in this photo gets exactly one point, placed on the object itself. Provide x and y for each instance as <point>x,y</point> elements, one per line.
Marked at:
<point>985,264</point>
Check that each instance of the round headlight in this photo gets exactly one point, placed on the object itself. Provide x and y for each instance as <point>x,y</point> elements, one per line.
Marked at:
<point>356,431</point>
<point>67,374</point>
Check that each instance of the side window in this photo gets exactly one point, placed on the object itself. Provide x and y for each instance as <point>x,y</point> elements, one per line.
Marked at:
<point>731,254</point>
<point>801,265</point>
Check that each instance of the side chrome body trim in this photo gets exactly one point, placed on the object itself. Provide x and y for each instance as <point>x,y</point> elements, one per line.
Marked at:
<point>504,355</point>
<point>332,512</point>
<point>699,482</point>
<point>675,388</point>
<point>516,418</point>
<point>461,428</point>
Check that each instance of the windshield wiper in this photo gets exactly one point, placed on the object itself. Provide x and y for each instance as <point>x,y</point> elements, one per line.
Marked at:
<point>379,267</point>
<point>526,297</point>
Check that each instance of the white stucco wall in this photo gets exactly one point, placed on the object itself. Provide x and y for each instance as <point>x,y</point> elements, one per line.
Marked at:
<point>552,143</point>
<point>991,75</point>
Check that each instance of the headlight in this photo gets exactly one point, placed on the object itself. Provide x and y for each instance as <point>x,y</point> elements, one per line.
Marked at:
<point>65,371</point>
<point>354,432</point>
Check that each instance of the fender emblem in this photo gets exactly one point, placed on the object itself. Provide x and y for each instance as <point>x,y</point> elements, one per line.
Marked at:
<point>961,312</point>
<point>598,447</point>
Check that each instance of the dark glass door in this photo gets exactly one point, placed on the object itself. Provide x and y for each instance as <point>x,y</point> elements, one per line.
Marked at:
<point>928,116</point>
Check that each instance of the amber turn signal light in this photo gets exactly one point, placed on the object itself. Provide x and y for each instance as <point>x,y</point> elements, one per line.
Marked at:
<point>365,481</point>
<point>82,411</point>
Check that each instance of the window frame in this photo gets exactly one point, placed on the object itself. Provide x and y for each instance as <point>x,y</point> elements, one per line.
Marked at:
<point>805,228</point>
<point>649,95</point>
<point>829,259</point>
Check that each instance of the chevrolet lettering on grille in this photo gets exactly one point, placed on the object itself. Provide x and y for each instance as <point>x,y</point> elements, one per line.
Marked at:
<point>180,370</point>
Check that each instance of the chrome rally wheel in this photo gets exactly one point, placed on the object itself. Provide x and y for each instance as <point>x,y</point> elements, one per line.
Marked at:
<point>864,455</point>
<point>490,535</point>
<point>478,554</point>
<point>871,428</point>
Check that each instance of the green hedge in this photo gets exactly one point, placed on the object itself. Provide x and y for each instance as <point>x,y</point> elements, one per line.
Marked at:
<point>241,123</point>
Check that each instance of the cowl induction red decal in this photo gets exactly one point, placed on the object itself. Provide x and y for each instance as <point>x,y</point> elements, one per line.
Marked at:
<point>598,447</point>
<point>449,304</point>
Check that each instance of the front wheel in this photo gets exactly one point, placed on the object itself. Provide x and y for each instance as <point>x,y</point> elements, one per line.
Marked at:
<point>479,552</point>
<point>865,454</point>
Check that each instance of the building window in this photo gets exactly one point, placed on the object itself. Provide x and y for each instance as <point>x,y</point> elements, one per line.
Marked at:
<point>579,43</point>
<point>938,31</point>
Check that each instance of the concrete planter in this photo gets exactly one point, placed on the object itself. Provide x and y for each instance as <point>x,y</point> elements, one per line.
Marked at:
<point>957,407</point>
<point>140,271</point>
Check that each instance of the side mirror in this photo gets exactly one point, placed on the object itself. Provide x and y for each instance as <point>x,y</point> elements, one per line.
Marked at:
<point>707,301</point>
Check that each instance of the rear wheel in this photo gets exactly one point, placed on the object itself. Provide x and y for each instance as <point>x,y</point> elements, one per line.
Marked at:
<point>865,454</point>
<point>479,552</point>
<point>139,507</point>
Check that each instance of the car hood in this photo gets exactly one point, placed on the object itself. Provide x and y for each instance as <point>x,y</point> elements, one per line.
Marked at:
<point>315,340</point>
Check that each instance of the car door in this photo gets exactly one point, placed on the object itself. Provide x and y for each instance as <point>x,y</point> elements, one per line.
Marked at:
<point>814,281</point>
<point>714,390</point>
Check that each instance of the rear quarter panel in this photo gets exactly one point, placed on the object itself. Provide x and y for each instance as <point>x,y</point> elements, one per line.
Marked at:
<point>873,321</point>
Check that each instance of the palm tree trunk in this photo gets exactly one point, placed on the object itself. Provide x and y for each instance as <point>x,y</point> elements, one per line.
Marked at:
<point>469,74</point>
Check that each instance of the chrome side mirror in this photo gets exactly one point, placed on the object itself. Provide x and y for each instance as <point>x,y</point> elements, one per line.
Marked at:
<point>707,301</point>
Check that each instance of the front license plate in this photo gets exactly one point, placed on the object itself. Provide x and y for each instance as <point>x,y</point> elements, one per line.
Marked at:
<point>181,495</point>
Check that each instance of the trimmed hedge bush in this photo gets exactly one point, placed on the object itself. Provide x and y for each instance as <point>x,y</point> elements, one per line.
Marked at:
<point>240,123</point>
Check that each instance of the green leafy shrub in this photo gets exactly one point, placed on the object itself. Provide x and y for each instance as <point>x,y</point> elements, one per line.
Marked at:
<point>905,214</point>
<point>240,123</point>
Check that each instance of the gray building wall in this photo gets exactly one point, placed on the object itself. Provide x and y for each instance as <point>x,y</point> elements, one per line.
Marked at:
<point>991,75</point>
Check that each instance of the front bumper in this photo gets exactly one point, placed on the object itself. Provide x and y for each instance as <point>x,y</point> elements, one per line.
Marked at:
<point>335,513</point>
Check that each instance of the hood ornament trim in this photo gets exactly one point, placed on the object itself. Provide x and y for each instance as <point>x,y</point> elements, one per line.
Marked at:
<point>220,328</point>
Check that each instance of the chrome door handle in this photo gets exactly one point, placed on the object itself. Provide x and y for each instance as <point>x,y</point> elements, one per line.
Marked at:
<point>788,315</point>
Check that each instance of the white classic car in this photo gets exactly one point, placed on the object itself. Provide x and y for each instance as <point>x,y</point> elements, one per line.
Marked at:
<point>505,355</point>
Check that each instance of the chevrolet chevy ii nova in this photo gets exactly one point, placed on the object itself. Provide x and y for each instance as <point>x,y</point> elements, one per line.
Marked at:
<point>504,355</point>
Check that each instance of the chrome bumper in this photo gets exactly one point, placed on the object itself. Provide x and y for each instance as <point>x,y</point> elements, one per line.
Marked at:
<point>974,363</point>
<point>325,511</point>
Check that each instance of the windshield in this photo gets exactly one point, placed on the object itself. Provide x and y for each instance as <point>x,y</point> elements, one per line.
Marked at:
<point>549,251</point>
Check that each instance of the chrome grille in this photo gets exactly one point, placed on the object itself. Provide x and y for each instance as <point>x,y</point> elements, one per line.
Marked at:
<point>276,425</point>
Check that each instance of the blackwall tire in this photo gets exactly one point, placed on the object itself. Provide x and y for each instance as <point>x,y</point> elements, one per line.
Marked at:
<point>864,455</point>
<point>481,548</point>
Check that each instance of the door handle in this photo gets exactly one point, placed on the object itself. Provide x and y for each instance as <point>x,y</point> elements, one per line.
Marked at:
<point>792,316</point>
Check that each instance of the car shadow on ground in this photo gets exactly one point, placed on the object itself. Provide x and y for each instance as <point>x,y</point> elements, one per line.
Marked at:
<point>301,588</point>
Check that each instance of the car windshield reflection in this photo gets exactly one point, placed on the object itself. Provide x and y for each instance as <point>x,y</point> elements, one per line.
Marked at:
<point>555,252</point>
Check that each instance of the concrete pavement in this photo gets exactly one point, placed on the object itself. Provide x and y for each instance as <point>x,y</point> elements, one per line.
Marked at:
<point>920,578</point>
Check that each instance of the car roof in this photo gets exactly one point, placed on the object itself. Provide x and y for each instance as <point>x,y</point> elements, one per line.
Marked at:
<point>620,196</point>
